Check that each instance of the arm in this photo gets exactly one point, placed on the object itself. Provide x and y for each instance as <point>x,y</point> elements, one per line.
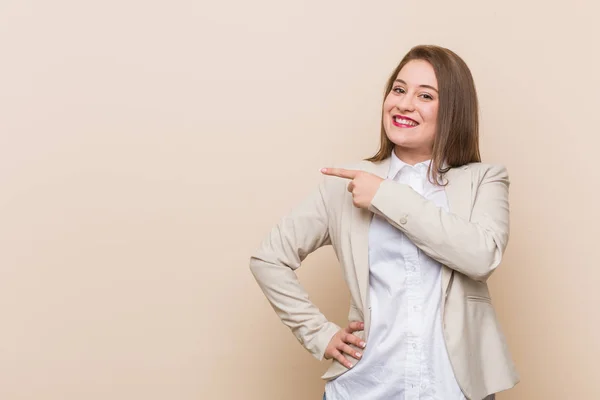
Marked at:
<point>474,246</point>
<point>298,234</point>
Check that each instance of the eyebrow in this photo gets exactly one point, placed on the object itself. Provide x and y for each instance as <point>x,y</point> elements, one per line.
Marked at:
<point>423,86</point>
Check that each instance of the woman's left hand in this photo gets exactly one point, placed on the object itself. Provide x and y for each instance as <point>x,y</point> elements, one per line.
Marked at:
<point>363,185</point>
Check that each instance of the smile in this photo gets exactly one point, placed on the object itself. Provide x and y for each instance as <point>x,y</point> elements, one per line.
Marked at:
<point>403,122</point>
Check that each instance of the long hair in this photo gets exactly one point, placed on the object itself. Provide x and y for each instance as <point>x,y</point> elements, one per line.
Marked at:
<point>456,140</point>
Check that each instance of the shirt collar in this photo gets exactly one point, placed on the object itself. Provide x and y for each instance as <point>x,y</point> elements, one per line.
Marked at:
<point>396,165</point>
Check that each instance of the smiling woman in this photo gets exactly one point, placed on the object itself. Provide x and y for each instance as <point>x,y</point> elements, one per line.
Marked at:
<point>418,229</point>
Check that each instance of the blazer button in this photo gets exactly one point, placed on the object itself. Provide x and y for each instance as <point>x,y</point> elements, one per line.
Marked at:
<point>403,220</point>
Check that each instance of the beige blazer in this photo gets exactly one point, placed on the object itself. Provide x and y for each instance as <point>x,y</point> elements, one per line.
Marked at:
<point>468,241</point>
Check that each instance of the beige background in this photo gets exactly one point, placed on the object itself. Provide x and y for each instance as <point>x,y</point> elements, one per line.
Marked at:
<point>146,147</point>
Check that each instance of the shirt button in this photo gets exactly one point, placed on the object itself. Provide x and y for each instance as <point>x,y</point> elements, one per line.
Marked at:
<point>403,220</point>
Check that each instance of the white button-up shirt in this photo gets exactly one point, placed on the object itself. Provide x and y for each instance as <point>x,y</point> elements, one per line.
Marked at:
<point>405,357</point>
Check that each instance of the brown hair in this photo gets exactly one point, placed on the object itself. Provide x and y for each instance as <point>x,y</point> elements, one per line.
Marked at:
<point>456,140</point>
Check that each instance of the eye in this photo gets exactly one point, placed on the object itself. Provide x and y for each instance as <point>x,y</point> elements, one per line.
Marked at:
<point>427,96</point>
<point>398,90</point>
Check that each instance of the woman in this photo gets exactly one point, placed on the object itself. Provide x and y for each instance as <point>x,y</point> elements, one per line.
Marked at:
<point>418,229</point>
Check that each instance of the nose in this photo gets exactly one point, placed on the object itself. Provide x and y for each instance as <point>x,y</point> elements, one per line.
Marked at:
<point>406,103</point>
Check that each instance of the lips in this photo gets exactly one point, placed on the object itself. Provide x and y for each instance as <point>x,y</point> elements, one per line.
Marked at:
<point>404,122</point>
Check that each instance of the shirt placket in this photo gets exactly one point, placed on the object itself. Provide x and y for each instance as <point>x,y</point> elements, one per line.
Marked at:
<point>414,295</point>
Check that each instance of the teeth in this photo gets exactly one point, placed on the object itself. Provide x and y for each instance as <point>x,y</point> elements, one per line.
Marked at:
<point>405,121</point>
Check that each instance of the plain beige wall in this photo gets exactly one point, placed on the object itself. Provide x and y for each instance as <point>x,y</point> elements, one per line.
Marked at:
<point>147,147</point>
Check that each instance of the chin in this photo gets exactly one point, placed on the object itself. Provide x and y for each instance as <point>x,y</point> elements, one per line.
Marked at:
<point>403,140</point>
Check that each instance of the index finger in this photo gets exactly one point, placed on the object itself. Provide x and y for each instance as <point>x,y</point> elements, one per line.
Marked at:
<point>340,172</point>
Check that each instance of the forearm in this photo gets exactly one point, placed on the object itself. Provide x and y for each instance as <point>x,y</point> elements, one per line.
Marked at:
<point>293,306</point>
<point>473,247</point>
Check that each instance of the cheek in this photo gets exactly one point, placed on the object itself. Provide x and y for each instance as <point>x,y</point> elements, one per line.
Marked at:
<point>388,104</point>
<point>431,114</point>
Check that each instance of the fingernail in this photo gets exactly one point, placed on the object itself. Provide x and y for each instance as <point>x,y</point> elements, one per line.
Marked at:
<point>358,355</point>
<point>323,169</point>
<point>363,344</point>
<point>362,325</point>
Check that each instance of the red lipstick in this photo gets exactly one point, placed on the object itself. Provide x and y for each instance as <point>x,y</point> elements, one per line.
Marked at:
<point>406,122</point>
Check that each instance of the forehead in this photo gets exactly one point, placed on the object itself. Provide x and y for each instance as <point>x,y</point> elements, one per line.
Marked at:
<point>418,72</point>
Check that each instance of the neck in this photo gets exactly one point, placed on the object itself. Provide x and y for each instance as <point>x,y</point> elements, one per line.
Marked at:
<point>410,156</point>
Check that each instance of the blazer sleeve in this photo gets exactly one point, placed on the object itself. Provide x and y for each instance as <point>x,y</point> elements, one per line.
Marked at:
<point>474,246</point>
<point>303,230</point>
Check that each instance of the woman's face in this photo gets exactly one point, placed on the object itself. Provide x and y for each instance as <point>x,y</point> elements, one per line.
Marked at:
<point>410,109</point>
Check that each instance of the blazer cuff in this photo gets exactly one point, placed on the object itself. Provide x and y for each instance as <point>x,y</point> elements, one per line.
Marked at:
<point>322,339</point>
<point>392,200</point>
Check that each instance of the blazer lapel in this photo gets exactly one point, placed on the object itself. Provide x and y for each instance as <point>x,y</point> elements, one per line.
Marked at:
<point>359,232</point>
<point>458,192</point>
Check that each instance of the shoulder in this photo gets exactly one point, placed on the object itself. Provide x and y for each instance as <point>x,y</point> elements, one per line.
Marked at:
<point>484,172</point>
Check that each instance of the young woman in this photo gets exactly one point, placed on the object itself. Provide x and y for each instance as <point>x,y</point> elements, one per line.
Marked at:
<point>418,229</point>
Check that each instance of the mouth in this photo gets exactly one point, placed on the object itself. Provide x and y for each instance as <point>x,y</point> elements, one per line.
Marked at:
<point>404,122</point>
